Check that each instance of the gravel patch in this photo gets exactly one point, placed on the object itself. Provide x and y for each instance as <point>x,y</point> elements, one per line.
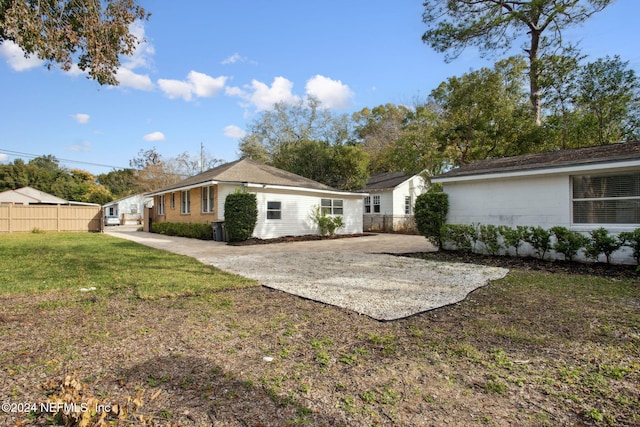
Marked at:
<point>384,287</point>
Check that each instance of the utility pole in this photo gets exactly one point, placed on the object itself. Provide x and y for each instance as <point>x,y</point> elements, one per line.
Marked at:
<point>201,157</point>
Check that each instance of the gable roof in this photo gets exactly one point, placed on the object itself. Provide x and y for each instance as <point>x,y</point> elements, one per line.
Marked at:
<point>385,181</point>
<point>600,154</point>
<point>29,195</point>
<point>247,171</point>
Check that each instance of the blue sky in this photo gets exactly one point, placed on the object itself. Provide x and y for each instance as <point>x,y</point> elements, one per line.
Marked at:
<point>208,68</point>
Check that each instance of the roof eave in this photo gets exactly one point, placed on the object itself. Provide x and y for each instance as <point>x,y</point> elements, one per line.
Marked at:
<point>540,171</point>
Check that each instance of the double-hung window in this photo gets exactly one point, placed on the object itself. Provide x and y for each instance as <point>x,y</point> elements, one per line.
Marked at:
<point>332,206</point>
<point>161,204</point>
<point>274,210</point>
<point>606,199</point>
<point>376,204</point>
<point>367,204</point>
<point>207,199</point>
<point>172,200</point>
<point>185,202</point>
<point>407,205</point>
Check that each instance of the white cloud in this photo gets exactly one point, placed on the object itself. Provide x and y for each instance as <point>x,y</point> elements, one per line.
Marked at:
<point>175,89</point>
<point>233,59</point>
<point>15,57</point>
<point>205,86</point>
<point>143,52</point>
<point>264,97</point>
<point>233,131</point>
<point>332,93</point>
<point>4,158</point>
<point>154,136</point>
<point>128,78</point>
<point>82,147</point>
<point>198,84</point>
<point>81,118</point>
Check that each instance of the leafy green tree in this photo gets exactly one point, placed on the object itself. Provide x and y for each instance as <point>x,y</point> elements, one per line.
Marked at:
<point>120,183</point>
<point>379,129</point>
<point>493,25</point>
<point>93,33</point>
<point>609,95</point>
<point>483,114</point>
<point>417,150</point>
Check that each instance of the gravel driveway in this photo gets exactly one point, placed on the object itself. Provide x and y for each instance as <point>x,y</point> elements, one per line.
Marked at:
<point>354,273</point>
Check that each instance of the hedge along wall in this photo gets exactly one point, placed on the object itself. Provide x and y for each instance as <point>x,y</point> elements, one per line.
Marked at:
<point>491,239</point>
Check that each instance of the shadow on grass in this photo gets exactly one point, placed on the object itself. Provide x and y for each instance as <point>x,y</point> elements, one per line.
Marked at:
<point>195,390</point>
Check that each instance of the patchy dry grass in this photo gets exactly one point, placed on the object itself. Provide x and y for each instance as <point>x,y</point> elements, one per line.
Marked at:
<point>536,348</point>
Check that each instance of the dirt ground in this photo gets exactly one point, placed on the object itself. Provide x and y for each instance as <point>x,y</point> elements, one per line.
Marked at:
<point>510,354</point>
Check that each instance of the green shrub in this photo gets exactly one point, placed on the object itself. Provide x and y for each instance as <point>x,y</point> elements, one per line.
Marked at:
<point>240,215</point>
<point>489,236</point>
<point>514,237</point>
<point>327,225</point>
<point>568,242</point>
<point>183,229</point>
<point>461,235</point>
<point>540,239</point>
<point>632,240</point>
<point>602,243</point>
<point>431,211</point>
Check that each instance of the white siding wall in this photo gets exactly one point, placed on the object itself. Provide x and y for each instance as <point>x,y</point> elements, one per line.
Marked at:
<point>412,187</point>
<point>543,201</point>
<point>296,209</point>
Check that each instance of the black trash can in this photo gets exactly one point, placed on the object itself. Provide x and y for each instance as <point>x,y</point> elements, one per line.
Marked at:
<point>218,231</point>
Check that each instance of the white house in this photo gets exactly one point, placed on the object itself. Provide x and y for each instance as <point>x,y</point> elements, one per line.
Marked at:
<point>389,203</point>
<point>130,209</point>
<point>581,189</point>
<point>285,200</point>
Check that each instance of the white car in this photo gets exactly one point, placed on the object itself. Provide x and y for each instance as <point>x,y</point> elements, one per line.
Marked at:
<point>111,220</point>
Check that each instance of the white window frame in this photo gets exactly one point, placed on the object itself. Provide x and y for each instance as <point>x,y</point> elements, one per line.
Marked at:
<point>208,202</point>
<point>376,204</point>
<point>332,206</point>
<point>185,202</point>
<point>274,210</point>
<point>367,204</point>
<point>408,206</point>
<point>606,206</point>
<point>161,204</point>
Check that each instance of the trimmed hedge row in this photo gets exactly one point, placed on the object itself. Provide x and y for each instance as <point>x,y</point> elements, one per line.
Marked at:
<point>495,240</point>
<point>183,229</point>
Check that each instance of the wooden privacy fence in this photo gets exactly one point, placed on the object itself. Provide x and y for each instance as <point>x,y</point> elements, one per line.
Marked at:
<point>23,218</point>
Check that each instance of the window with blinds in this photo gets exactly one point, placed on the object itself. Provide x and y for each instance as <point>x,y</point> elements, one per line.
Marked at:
<point>606,199</point>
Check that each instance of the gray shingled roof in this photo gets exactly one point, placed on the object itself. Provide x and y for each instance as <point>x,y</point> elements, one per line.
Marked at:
<point>385,181</point>
<point>553,159</point>
<point>249,171</point>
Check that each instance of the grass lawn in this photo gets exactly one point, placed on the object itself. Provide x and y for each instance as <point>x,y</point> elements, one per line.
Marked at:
<point>165,340</point>
<point>66,262</point>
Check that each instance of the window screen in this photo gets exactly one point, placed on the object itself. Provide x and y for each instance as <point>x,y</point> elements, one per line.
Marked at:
<point>606,199</point>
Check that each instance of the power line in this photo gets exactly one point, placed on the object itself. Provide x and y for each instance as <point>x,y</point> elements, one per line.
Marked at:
<point>34,156</point>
